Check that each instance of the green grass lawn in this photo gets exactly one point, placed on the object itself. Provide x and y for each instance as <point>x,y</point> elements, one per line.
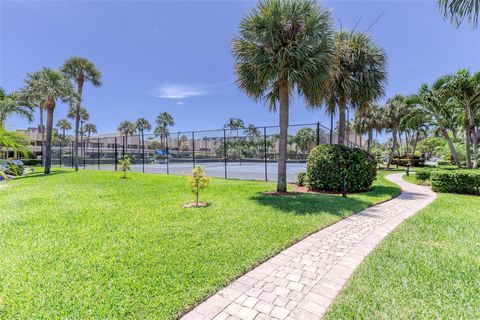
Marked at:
<point>92,245</point>
<point>429,268</point>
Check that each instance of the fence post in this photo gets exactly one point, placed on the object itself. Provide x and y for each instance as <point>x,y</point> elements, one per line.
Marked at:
<point>143,152</point>
<point>225,151</point>
<point>166,143</point>
<point>98,153</point>
<point>116,155</point>
<point>265,151</point>
<point>193,148</point>
<point>71,149</point>
<point>318,133</point>
<point>84,154</point>
<point>60,154</point>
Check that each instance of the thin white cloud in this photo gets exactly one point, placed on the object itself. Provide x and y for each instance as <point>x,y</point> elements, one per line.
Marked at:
<point>178,91</point>
<point>180,102</point>
<point>170,90</point>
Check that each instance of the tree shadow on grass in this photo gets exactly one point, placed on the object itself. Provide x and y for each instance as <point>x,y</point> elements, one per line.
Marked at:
<point>41,174</point>
<point>308,204</point>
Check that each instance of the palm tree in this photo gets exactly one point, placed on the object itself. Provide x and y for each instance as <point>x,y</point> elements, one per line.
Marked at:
<point>163,121</point>
<point>358,75</point>
<point>12,141</point>
<point>304,139</point>
<point>64,125</point>
<point>465,88</point>
<point>142,124</point>
<point>393,113</point>
<point>366,121</point>
<point>457,10</point>
<point>80,69</point>
<point>89,128</point>
<point>435,106</point>
<point>51,86</point>
<point>10,105</point>
<point>284,46</point>
<point>127,128</point>
<point>84,115</point>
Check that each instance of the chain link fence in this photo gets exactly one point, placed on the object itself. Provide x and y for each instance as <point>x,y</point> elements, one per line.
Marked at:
<point>249,153</point>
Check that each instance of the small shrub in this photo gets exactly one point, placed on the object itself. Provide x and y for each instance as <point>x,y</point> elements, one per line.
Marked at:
<point>444,162</point>
<point>423,175</point>
<point>125,163</point>
<point>327,165</point>
<point>14,169</point>
<point>302,179</point>
<point>198,181</point>
<point>456,181</point>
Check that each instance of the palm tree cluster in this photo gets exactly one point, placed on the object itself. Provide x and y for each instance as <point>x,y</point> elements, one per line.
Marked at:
<point>449,108</point>
<point>289,47</point>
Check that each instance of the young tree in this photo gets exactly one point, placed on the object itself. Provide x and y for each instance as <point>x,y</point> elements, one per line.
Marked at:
<point>198,181</point>
<point>51,86</point>
<point>305,138</point>
<point>89,128</point>
<point>125,163</point>
<point>367,120</point>
<point>284,46</point>
<point>80,69</point>
<point>142,124</point>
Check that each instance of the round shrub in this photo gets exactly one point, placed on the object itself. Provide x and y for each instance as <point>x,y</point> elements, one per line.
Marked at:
<point>301,179</point>
<point>327,164</point>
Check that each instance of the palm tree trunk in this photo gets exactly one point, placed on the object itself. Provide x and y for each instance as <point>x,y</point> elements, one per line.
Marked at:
<point>282,149</point>
<point>369,140</point>
<point>342,106</point>
<point>468,135</point>
<point>48,147</point>
<point>452,148</point>
<point>414,147</point>
<point>476,136</point>
<point>394,146</point>
<point>77,122</point>
<point>42,131</point>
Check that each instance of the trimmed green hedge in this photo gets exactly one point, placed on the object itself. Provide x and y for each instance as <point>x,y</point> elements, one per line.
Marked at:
<point>327,164</point>
<point>32,162</point>
<point>423,175</point>
<point>456,181</point>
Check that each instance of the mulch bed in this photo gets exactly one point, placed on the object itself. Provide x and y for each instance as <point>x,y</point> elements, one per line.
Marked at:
<point>201,204</point>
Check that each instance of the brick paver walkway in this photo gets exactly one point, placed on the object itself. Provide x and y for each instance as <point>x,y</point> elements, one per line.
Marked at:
<point>302,281</point>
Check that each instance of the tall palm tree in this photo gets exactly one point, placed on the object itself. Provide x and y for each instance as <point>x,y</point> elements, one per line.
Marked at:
<point>89,128</point>
<point>358,75</point>
<point>458,10</point>
<point>163,121</point>
<point>84,115</point>
<point>11,105</point>
<point>127,128</point>
<point>465,89</point>
<point>51,86</point>
<point>393,113</point>
<point>80,69</point>
<point>284,46</point>
<point>64,125</point>
<point>433,104</point>
<point>142,124</point>
<point>367,120</point>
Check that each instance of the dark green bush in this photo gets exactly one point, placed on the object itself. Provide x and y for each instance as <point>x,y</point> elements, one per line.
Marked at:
<point>413,161</point>
<point>424,174</point>
<point>456,181</point>
<point>302,179</point>
<point>327,164</point>
<point>444,162</point>
<point>32,162</point>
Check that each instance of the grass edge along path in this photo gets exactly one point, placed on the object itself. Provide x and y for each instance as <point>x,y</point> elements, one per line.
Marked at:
<point>89,244</point>
<point>426,269</point>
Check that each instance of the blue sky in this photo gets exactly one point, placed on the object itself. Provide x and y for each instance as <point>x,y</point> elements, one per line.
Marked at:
<point>175,56</point>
